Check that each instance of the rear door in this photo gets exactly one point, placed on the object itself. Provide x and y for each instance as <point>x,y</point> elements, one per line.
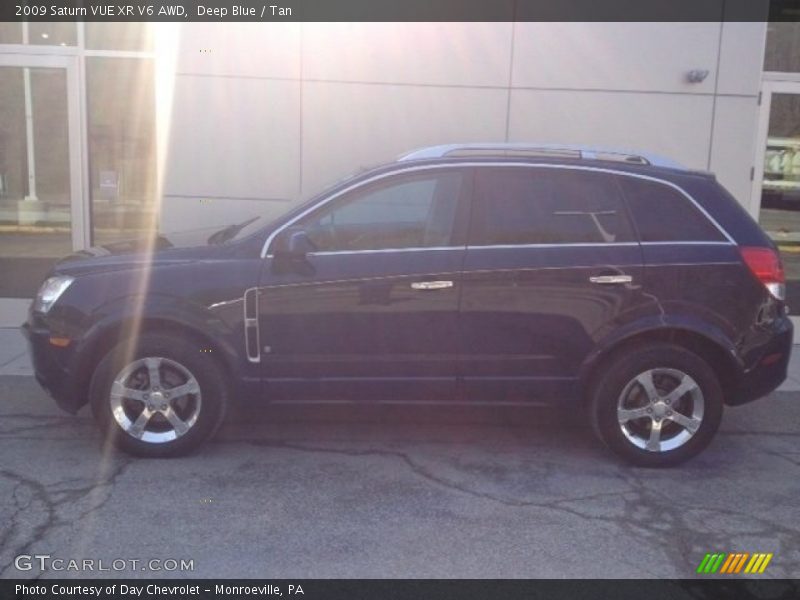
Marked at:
<point>693,269</point>
<point>552,265</point>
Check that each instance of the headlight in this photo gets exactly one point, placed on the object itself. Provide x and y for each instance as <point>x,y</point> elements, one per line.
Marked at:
<point>51,291</point>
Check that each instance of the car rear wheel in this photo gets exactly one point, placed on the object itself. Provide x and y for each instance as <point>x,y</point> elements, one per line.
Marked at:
<point>656,405</point>
<point>163,399</point>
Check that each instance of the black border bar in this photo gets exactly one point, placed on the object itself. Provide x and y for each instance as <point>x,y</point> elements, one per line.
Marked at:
<point>413,589</point>
<point>400,10</point>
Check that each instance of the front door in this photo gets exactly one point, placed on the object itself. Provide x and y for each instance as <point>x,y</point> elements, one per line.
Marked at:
<point>551,264</point>
<point>372,313</point>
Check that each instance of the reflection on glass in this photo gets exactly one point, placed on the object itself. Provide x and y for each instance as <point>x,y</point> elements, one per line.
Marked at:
<point>10,33</point>
<point>40,34</point>
<point>121,147</point>
<point>34,176</point>
<point>52,34</point>
<point>780,197</point>
<point>119,36</point>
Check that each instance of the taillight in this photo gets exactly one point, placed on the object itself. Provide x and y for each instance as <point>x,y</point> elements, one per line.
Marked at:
<point>766,265</point>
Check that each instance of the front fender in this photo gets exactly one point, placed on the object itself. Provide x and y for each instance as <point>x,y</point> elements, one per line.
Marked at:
<point>128,316</point>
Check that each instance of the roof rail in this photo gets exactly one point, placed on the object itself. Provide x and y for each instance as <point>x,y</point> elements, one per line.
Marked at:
<point>541,150</point>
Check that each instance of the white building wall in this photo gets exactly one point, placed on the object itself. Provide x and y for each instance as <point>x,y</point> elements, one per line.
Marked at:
<point>263,114</point>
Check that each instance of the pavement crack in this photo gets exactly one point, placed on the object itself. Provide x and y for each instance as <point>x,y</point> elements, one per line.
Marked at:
<point>52,497</point>
<point>647,514</point>
<point>431,477</point>
<point>38,492</point>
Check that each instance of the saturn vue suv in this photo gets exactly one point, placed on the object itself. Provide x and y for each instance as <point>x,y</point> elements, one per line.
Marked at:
<point>614,282</point>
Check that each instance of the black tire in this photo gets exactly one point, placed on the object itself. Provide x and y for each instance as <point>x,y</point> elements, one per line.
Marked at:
<point>663,362</point>
<point>207,408</point>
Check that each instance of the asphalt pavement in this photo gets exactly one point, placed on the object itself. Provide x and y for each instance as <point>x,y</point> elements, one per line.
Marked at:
<point>375,491</point>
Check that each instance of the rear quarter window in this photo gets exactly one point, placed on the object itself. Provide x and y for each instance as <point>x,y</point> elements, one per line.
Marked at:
<point>663,214</point>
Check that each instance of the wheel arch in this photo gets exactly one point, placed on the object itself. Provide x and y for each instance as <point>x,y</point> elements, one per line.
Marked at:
<point>110,334</point>
<point>719,356</point>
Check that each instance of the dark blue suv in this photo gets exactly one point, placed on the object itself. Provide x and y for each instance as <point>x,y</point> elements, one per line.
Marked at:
<point>488,273</point>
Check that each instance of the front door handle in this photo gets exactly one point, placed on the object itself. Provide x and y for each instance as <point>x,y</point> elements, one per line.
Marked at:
<point>431,285</point>
<point>611,279</point>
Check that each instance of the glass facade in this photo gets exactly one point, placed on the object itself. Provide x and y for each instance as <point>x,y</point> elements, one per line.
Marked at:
<point>122,147</point>
<point>53,34</point>
<point>135,37</point>
<point>779,214</point>
<point>35,197</point>
<point>780,191</point>
<point>39,164</point>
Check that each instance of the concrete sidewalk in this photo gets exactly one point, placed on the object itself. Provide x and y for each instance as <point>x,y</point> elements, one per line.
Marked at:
<point>14,359</point>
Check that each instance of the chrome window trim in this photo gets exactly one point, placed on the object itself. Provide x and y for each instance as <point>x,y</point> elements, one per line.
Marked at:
<point>349,188</point>
<point>593,266</point>
<point>510,246</point>
<point>690,243</point>
<point>469,165</point>
<point>564,245</point>
<point>386,250</point>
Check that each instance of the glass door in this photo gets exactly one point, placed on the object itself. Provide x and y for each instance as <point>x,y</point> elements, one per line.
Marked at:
<point>42,215</point>
<point>777,178</point>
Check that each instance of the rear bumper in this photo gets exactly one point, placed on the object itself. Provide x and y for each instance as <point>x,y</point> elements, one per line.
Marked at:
<point>770,370</point>
<point>50,370</point>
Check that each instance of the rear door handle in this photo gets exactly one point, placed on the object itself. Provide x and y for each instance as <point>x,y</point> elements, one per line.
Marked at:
<point>611,279</point>
<point>431,285</point>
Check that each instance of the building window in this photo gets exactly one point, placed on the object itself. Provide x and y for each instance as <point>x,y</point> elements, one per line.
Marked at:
<point>39,165</point>
<point>52,34</point>
<point>39,34</point>
<point>783,47</point>
<point>122,147</point>
<point>132,37</point>
<point>10,33</point>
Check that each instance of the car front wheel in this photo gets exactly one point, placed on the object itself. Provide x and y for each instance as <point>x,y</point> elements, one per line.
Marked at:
<point>162,399</point>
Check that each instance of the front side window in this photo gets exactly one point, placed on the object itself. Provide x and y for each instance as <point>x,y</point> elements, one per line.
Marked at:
<point>518,206</point>
<point>663,214</point>
<point>408,211</point>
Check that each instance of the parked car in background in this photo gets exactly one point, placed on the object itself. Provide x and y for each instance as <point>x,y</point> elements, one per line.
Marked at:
<point>781,171</point>
<point>479,273</point>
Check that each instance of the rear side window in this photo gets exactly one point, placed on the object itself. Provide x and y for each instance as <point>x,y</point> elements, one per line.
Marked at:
<point>662,214</point>
<point>519,205</point>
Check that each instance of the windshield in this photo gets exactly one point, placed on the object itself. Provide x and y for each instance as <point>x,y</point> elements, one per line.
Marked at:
<point>233,231</point>
<point>249,227</point>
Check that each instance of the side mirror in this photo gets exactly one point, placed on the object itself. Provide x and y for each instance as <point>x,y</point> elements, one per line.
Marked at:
<point>293,243</point>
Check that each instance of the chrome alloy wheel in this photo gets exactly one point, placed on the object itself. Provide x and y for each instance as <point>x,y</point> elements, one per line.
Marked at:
<point>155,399</point>
<point>660,409</point>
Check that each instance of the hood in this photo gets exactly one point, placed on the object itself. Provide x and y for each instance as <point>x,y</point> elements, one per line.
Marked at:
<point>186,246</point>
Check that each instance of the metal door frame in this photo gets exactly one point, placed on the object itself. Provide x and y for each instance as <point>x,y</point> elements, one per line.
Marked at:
<point>790,85</point>
<point>78,175</point>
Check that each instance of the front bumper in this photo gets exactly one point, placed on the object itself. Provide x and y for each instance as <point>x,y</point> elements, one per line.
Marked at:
<point>50,366</point>
<point>770,370</point>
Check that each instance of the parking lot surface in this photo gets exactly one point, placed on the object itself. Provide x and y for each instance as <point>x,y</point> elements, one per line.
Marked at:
<point>373,491</point>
